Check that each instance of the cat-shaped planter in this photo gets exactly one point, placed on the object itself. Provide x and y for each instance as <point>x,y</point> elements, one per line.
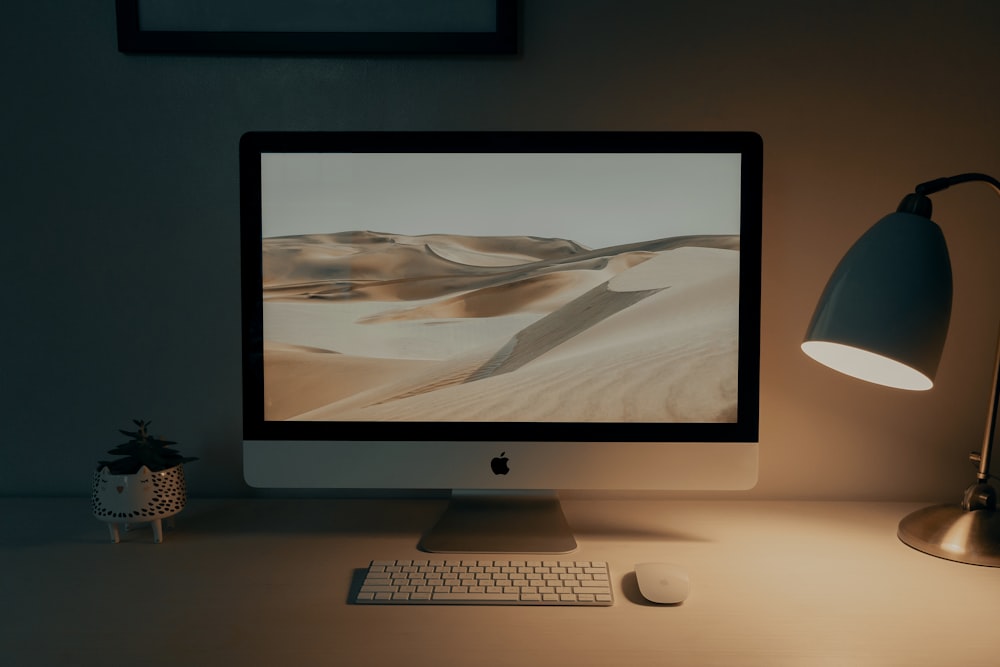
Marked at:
<point>144,497</point>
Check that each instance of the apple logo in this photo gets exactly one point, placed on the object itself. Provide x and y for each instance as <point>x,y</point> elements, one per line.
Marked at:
<point>499,464</point>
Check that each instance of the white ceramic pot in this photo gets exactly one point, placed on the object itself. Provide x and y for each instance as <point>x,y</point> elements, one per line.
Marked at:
<point>143,497</point>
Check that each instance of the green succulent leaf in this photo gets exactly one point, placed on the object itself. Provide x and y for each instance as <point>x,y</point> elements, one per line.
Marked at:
<point>143,449</point>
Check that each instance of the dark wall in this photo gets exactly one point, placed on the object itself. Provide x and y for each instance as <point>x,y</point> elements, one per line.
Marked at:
<point>120,220</point>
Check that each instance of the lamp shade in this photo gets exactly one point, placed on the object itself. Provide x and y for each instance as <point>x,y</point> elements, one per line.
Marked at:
<point>884,314</point>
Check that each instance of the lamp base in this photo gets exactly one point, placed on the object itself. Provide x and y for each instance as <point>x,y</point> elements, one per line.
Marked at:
<point>954,533</point>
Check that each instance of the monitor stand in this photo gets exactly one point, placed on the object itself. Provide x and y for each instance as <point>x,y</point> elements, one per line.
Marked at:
<point>482,522</point>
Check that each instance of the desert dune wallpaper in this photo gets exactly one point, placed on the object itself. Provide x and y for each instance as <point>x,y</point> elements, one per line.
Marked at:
<point>376,326</point>
<point>500,288</point>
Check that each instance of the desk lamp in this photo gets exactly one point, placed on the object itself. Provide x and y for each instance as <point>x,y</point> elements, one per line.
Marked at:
<point>883,317</point>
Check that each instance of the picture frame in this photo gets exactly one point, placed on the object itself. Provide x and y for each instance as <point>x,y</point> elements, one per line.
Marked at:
<point>348,27</point>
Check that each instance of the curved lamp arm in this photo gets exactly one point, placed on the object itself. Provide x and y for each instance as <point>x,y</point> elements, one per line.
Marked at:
<point>939,184</point>
<point>918,203</point>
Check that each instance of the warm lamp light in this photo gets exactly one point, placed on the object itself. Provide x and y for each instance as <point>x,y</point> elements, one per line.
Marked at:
<point>883,317</point>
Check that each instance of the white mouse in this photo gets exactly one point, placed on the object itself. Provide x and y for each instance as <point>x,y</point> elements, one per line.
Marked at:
<point>662,583</point>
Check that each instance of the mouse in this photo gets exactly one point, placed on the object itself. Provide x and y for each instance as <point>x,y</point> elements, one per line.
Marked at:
<point>662,583</point>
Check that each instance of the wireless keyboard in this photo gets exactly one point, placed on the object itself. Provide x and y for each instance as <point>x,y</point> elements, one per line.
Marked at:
<point>487,582</point>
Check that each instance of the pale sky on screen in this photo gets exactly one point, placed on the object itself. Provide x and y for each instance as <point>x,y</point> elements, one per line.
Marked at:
<point>597,200</point>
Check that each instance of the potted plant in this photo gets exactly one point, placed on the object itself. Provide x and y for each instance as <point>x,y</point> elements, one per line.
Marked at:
<point>144,485</point>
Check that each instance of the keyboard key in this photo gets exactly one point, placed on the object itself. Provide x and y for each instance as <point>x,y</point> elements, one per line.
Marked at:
<point>476,597</point>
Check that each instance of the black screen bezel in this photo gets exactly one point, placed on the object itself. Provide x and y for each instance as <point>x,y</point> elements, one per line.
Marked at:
<point>747,144</point>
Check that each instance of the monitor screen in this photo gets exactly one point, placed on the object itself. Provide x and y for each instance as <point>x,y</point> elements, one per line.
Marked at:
<point>528,310</point>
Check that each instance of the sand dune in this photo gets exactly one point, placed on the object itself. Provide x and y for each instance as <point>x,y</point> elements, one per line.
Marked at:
<point>510,328</point>
<point>300,378</point>
<point>370,256</point>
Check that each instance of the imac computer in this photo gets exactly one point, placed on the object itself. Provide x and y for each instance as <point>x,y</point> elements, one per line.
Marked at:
<point>504,315</point>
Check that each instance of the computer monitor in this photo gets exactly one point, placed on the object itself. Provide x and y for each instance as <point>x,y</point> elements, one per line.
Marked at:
<point>503,315</point>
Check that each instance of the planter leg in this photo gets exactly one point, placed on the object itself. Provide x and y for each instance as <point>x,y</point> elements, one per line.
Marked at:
<point>113,528</point>
<point>157,531</point>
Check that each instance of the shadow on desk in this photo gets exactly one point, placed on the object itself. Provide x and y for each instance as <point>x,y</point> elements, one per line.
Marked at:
<point>68,520</point>
<point>593,521</point>
<point>310,516</point>
<point>62,520</point>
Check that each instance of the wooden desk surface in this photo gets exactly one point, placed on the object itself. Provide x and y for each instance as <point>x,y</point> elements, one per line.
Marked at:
<point>266,582</point>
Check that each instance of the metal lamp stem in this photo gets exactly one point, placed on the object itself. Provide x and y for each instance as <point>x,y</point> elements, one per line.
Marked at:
<point>982,495</point>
